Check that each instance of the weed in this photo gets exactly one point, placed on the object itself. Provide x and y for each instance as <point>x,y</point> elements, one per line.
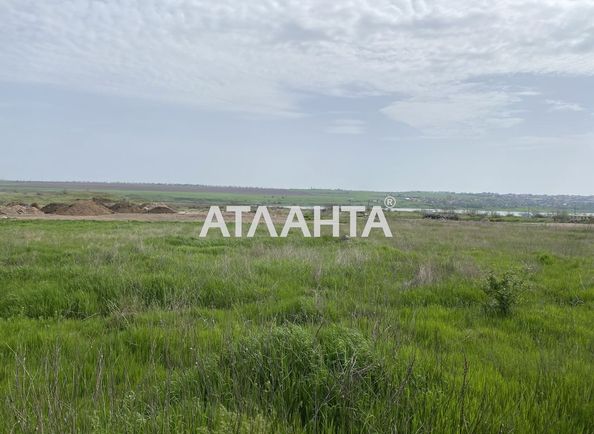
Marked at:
<point>503,292</point>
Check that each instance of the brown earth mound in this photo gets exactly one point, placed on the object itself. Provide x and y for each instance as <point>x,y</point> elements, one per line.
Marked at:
<point>126,207</point>
<point>16,209</point>
<point>54,208</point>
<point>80,207</point>
<point>85,207</point>
<point>157,208</point>
<point>104,201</point>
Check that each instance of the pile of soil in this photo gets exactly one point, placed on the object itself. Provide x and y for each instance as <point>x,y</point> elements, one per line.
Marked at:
<point>86,207</point>
<point>16,209</point>
<point>126,207</point>
<point>103,201</point>
<point>80,207</point>
<point>157,208</point>
<point>54,208</point>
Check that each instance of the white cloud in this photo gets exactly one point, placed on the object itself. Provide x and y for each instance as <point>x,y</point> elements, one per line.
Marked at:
<point>257,56</point>
<point>459,111</point>
<point>563,106</point>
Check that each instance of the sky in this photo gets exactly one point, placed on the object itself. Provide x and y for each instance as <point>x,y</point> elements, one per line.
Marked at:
<point>443,95</point>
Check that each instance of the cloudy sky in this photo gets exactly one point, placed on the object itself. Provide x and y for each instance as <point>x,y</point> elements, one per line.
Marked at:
<point>457,95</point>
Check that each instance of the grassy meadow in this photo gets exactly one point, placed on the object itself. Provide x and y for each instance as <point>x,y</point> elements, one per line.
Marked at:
<point>113,327</point>
<point>191,196</point>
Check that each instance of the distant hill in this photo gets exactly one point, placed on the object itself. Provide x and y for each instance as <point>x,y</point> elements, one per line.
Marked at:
<point>194,195</point>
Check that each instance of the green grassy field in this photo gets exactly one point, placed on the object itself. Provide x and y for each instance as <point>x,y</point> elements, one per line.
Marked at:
<point>186,196</point>
<point>22,192</point>
<point>143,327</point>
<point>190,199</point>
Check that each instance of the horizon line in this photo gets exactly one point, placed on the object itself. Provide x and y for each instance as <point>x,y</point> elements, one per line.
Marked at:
<point>280,189</point>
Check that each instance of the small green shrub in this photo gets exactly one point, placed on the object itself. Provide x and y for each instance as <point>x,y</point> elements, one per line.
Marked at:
<point>504,292</point>
<point>545,259</point>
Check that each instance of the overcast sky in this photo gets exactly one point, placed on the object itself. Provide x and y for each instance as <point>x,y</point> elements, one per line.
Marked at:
<point>457,95</point>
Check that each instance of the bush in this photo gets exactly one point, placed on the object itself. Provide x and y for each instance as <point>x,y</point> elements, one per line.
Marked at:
<point>561,217</point>
<point>545,259</point>
<point>504,292</point>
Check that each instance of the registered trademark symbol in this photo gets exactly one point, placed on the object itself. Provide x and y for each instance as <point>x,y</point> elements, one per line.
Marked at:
<point>389,201</point>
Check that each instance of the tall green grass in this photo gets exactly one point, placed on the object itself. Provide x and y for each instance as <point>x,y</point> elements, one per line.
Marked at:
<point>143,327</point>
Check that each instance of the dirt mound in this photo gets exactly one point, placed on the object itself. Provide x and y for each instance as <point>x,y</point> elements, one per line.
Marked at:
<point>80,207</point>
<point>126,207</point>
<point>16,209</point>
<point>54,208</point>
<point>86,207</point>
<point>158,208</point>
<point>104,201</point>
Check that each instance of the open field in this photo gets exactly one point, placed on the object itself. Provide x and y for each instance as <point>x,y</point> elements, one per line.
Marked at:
<point>188,196</point>
<point>116,326</point>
